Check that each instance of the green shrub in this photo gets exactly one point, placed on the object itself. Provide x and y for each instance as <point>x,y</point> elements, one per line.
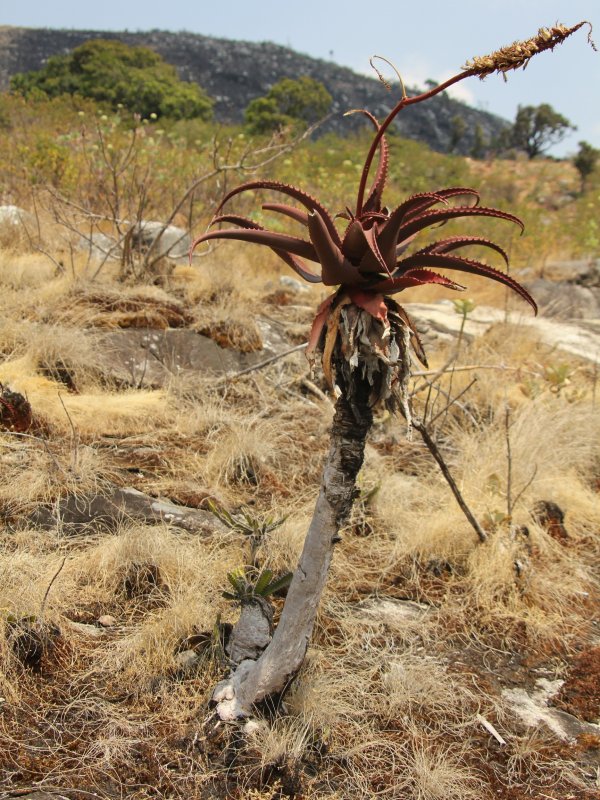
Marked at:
<point>288,103</point>
<point>113,73</point>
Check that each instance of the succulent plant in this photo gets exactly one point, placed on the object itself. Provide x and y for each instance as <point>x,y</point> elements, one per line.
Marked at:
<point>360,327</point>
<point>363,337</point>
<point>248,583</point>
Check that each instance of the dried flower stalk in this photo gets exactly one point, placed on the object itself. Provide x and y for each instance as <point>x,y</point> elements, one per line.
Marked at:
<point>518,54</point>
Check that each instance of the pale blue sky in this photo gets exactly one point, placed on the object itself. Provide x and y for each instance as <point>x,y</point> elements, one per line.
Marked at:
<point>424,39</point>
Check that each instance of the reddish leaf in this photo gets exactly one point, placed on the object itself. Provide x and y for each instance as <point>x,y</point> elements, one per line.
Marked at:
<point>428,218</point>
<point>335,269</point>
<point>414,277</point>
<point>311,203</point>
<point>292,261</point>
<point>371,303</point>
<point>454,242</point>
<point>318,324</point>
<point>465,265</point>
<point>281,241</point>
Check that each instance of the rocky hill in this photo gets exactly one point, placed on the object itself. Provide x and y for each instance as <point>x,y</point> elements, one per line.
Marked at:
<point>235,72</point>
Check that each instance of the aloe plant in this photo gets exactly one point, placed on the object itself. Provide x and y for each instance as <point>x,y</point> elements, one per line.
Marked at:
<point>247,585</point>
<point>362,336</point>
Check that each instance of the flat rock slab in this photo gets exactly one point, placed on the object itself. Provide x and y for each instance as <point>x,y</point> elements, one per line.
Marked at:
<point>107,512</point>
<point>579,337</point>
<point>393,612</point>
<point>533,709</point>
<point>149,358</point>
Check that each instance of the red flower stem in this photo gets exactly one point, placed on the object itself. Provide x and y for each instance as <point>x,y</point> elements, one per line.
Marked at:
<point>406,101</point>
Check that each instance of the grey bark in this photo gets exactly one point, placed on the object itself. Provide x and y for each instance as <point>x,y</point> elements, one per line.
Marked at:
<point>254,680</point>
<point>253,631</point>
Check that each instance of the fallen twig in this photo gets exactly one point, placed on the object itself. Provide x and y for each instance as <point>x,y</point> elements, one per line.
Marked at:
<point>233,375</point>
<point>434,450</point>
<point>490,729</point>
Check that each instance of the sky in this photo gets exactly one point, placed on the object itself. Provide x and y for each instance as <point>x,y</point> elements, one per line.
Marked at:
<point>425,40</point>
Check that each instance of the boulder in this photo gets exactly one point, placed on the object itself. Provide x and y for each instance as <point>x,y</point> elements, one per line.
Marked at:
<point>579,337</point>
<point>173,242</point>
<point>393,612</point>
<point>13,216</point>
<point>534,710</point>
<point>565,300</point>
<point>16,225</point>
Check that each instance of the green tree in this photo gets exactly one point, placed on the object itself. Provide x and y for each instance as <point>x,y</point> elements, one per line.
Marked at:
<point>480,145</point>
<point>585,162</point>
<point>537,128</point>
<point>111,72</point>
<point>458,126</point>
<point>288,103</point>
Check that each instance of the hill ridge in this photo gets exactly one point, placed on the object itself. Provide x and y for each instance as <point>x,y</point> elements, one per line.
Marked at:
<point>234,72</point>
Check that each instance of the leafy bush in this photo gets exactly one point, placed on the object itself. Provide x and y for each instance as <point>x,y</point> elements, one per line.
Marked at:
<point>111,72</point>
<point>585,162</point>
<point>288,103</point>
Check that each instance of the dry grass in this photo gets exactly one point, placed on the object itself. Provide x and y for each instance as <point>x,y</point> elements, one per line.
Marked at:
<point>383,707</point>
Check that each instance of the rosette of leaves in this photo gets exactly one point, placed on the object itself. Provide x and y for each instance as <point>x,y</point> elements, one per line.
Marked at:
<point>360,331</point>
<point>248,584</point>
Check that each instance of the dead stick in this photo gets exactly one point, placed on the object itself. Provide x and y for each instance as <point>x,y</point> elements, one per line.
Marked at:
<point>471,367</point>
<point>433,449</point>
<point>262,364</point>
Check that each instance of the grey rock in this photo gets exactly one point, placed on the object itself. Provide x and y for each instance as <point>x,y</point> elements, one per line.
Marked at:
<point>172,241</point>
<point>565,300</point>
<point>187,659</point>
<point>293,284</point>
<point>147,358</point>
<point>101,247</point>
<point>393,612</point>
<point>585,271</point>
<point>107,512</point>
<point>15,217</point>
<point>580,337</point>
<point>533,709</point>
<point>86,630</point>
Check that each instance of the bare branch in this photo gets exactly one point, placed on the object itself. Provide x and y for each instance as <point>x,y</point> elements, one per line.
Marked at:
<point>435,452</point>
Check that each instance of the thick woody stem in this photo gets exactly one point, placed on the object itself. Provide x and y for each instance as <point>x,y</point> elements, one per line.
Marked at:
<point>254,680</point>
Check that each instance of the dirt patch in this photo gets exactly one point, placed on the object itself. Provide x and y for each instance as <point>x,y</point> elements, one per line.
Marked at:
<point>580,694</point>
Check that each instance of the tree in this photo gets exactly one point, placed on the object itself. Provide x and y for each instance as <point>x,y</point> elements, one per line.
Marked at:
<point>111,72</point>
<point>585,162</point>
<point>362,338</point>
<point>479,146</point>
<point>458,126</point>
<point>288,103</point>
<point>537,128</point>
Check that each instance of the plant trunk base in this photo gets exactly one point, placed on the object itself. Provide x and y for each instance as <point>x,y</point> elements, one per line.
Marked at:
<point>253,680</point>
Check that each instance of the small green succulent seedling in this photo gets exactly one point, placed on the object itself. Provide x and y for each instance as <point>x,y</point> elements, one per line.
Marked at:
<point>248,587</point>
<point>245,522</point>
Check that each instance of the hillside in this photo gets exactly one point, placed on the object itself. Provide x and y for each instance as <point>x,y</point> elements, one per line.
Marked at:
<point>234,73</point>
